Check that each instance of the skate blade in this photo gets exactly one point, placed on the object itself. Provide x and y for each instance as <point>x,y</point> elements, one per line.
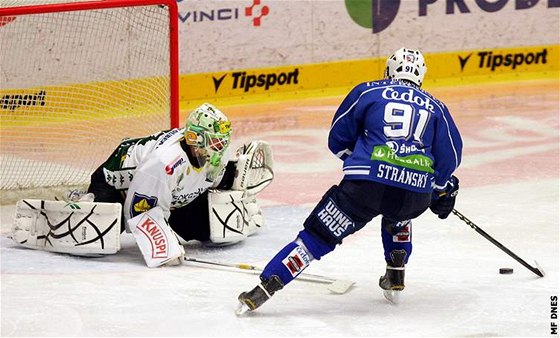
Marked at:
<point>392,295</point>
<point>242,309</point>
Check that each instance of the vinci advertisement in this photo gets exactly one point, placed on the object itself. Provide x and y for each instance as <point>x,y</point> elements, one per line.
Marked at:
<point>217,35</point>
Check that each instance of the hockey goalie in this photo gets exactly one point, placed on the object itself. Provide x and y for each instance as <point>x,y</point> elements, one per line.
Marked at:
<point>167,188</point>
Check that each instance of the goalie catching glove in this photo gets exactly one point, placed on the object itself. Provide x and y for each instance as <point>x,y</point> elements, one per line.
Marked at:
<point>254,167</point>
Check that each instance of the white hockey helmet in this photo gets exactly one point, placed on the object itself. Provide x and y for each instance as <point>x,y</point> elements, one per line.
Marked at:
<point>406,64</point>
<point>209,130</point>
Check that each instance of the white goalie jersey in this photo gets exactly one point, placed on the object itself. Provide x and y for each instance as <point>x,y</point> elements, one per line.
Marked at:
<point>157,171</point>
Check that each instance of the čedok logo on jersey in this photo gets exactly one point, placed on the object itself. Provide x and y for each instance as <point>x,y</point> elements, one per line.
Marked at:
<point>334,219</point>
<point>391,94</point>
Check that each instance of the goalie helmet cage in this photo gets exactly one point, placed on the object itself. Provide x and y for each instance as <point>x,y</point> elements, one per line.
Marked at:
<point>77,77</point>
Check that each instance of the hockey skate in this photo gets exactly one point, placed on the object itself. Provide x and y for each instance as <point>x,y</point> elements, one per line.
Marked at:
<point>249,301</point>
<point>392,282</point>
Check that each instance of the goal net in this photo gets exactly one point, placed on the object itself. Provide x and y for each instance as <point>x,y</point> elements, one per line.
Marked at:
<point>77,77</point>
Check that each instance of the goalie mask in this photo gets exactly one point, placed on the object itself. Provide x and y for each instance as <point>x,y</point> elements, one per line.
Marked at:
<point>406,64</point>
<point>208,130</point>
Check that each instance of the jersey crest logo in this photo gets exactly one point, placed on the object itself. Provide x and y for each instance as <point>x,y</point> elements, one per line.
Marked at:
<point>142,203</point>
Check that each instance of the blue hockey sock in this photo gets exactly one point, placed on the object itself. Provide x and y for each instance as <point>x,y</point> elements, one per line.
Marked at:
<point>316,247</point>
<point>295,257</point>
<point>400,238</point>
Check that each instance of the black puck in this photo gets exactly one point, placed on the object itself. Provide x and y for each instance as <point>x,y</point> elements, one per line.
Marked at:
<point>506,271</point>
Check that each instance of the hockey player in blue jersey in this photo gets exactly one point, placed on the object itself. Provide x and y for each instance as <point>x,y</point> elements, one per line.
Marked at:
<point>400,148</point>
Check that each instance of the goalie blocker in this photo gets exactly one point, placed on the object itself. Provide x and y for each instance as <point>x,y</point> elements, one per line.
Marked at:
<point>235,214</point>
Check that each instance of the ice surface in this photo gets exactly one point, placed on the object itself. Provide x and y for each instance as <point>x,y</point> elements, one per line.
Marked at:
<point>509,188</point>
<point>453,285</point>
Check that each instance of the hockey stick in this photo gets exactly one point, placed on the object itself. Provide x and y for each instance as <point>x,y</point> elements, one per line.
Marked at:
<point>538,270</point>
<point>338,286</point>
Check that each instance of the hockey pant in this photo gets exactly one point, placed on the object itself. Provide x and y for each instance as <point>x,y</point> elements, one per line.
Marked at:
<point>196,211</point>
<point>343,210</point>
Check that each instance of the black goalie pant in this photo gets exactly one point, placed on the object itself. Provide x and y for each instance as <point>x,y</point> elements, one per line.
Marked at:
<point>191,221</point>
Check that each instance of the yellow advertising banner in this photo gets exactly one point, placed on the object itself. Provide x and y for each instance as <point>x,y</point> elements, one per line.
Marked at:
<point>336,78</point>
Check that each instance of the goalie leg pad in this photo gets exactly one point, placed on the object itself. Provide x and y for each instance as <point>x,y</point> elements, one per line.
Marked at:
<point>155,238</point>
<point>78,228</point>
<point>234,215</point>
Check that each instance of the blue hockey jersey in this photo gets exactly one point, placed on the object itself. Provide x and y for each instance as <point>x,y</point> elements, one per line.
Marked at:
<point>395,133</point>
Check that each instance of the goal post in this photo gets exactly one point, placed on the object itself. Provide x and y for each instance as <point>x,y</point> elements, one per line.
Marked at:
<point>77,77</point>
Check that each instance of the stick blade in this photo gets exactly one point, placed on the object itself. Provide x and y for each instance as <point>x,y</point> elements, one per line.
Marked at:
<point>340,286</point>
<point>540,270</point>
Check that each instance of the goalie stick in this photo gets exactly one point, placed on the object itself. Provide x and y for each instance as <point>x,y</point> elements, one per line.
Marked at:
<point>338,286</point>
<point>536,270</point>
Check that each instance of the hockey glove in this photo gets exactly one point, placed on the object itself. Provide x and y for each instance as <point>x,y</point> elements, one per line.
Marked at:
<point>443,202</point>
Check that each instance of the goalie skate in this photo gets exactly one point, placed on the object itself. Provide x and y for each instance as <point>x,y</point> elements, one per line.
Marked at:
<point>79,228</point>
